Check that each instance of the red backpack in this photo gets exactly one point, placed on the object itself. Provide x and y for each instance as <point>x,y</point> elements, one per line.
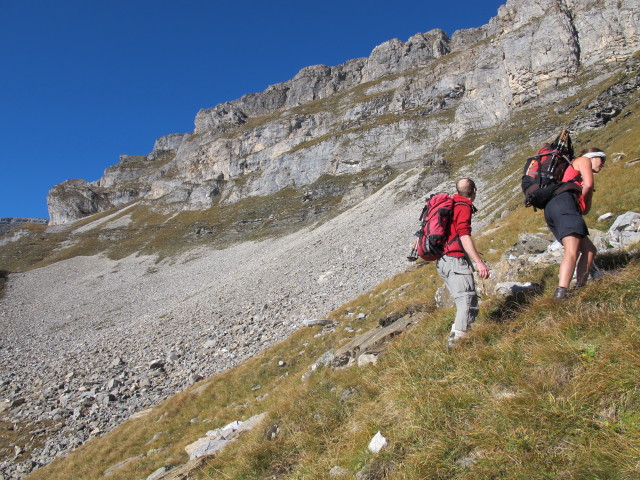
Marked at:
<point>432,237</point>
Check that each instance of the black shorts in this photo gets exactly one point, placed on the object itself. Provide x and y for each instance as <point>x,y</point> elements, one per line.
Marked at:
<point>564,218</point>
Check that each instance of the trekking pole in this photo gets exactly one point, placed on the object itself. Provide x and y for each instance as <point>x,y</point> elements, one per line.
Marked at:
<point>413,256</point>
<point>561,143</point>
<point>565,150</point>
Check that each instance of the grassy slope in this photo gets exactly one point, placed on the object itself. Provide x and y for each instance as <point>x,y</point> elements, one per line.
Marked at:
<point>549,391</point>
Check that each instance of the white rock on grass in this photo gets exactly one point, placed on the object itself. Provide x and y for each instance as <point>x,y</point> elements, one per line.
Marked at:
<point>377,443</point>
<point>338,472</point>
<point>367,359</point>
<point>159,473</point>
<point>507,288</point>
<point>219,438</point>
<point>625,230</point>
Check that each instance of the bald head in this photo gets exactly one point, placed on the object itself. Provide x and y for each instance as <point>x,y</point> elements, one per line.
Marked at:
<point>466,188</point>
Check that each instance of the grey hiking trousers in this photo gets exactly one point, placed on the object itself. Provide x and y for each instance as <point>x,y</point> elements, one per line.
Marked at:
<point>457,274</point>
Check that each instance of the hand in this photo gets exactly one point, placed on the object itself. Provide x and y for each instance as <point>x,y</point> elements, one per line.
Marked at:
<point>483,270</point>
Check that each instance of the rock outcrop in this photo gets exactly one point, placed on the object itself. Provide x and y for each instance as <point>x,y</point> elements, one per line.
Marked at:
<point>8,224</point>
<point>395,107</point>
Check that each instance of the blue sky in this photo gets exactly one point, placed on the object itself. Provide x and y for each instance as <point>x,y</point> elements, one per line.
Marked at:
<point>82,82</point>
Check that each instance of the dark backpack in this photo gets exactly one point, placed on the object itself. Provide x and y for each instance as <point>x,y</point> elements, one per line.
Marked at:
<point>542,174</point>
<point>432,237</point>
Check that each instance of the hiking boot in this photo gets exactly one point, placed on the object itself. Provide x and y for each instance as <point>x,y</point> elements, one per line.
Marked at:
<point>561,294</point>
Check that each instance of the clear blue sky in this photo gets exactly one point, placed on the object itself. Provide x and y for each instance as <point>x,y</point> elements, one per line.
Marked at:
<point>82,81</point>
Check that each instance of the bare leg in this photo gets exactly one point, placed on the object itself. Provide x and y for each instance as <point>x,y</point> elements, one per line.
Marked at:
<point>571,244</point>
<point>587,254</point>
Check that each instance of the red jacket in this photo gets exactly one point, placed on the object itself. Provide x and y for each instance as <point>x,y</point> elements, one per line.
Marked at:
<point>460,225</point>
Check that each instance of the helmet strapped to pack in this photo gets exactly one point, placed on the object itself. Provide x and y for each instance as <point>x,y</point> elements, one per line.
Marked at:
<point>542,175</point>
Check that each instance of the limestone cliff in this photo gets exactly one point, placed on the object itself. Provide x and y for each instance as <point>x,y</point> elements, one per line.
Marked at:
<point>397,107</point>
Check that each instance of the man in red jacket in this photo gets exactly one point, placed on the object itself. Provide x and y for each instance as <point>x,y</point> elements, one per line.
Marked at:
<point>455,266</point>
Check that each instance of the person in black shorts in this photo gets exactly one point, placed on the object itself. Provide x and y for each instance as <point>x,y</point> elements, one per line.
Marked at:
<point>564,218</point>
<point>563,215</point>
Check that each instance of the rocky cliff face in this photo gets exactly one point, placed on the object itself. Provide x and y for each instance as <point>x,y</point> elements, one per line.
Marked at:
<point>396,107</point>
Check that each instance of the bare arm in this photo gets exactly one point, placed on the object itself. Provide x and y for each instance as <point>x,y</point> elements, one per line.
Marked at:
<point>583,165</point>
<point>470,248</point>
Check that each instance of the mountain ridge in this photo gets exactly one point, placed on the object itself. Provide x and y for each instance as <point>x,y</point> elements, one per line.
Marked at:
<point>381,110</point>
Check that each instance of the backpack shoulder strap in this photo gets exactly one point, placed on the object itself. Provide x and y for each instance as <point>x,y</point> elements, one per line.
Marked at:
<point>470,205</point>
<point>577,177</point>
